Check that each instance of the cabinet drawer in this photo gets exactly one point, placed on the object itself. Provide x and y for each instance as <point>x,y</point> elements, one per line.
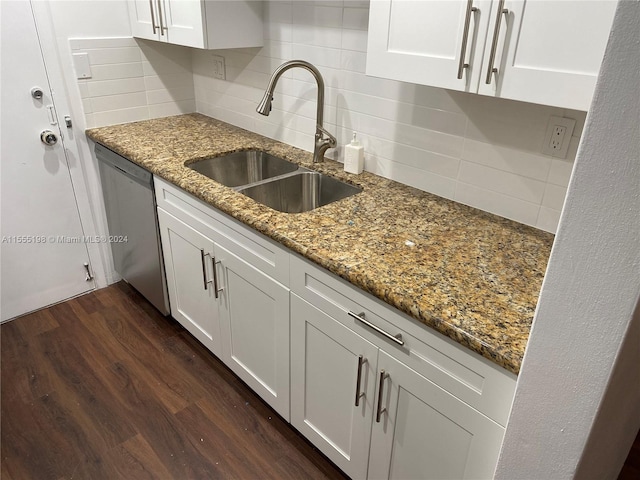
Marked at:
<point>261,252</point>
<point>470,377</point>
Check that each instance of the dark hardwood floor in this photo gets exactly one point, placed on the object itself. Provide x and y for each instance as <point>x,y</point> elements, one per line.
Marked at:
<point>104,387</point>
<point>631,467</point>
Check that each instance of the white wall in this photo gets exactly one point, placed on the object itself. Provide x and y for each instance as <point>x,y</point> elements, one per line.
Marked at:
<point>477,150</point>
<point>578,393</point>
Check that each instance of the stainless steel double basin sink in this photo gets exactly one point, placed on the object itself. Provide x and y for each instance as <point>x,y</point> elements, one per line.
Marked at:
<point>273,181</point>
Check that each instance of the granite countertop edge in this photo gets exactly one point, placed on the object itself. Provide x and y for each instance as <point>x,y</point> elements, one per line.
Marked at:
<point>470,275</point>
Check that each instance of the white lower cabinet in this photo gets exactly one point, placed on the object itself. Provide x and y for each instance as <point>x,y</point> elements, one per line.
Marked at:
<point>329,405</point>
<point>219,291</point>
<point>424,403</point>
<point>188,264</point>
<point>255,329</point>
<point>383,396</point>
<point>422,431</point>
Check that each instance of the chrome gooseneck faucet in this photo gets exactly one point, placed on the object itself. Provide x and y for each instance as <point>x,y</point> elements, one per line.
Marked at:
<point>323,139</point>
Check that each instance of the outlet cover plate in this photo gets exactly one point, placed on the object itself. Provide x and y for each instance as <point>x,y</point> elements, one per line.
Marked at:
<point>219,67</point>
<point>558,136</point>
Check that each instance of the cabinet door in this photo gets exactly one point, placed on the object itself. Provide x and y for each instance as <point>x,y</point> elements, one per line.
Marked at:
<point>324,378</point>
<point>426,432</point>
<point>548,52</point>
<point>143,15</point>
<point>255,328</point>
<point>184,20</point>
<point>188,266</point>
<point>422,42</point>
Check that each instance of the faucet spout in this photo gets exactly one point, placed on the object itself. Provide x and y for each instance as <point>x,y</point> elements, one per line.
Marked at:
<point>323,139</point>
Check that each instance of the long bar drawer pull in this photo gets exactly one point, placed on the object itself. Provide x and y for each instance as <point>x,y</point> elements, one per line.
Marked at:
<point>204,268</point>
<point>360,317</point>
<point>380,410</point>
<point>153,17</point>
<point>494,44</point>
<point>465,37</point>
<point>361,362</point>
<point>216,290</point>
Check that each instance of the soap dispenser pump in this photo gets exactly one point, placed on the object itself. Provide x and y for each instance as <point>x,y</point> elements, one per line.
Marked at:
<point>354,156</point>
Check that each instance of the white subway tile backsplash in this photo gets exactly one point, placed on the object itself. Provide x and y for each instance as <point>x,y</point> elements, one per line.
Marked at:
<point>497,203</point>
<point>548,219</point>
<point>354,40</point>
<point>317,36</point>
<point>560,171</point>
<point>353,61</point>
<point>356,18</point>
<point>89,120</point>
<point>384,150</point>
<point>429,118</point>
<point>107,56</point>
<point>172,108</point>
<point>318,56</point>
<point>507,159</point>
<point>95,43</point>
<point>86,105</point>
<point>274,50</point>
<point>165,58</point>
<point>278,12</point>
<point>169,80</point>
<point>169,95</point>
<point>124,115</point>
<point>134,80</point>
<point>415,177</point>
<point>554,196</point>
<point>430,140</point>
<point>83,88</point>
<point>117,102</point>
<point>307,13</point>
<point>502,182</point>
<point>115,87</point>
<point>281,32</point>
<point>117,71</point>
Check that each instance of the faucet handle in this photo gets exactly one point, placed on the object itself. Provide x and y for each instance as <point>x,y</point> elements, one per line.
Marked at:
<point>321,132</point>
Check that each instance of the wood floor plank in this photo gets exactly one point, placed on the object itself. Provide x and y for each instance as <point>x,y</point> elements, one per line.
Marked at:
<point>81,390</point>
<point>105,387</point>
<point>135,459</point>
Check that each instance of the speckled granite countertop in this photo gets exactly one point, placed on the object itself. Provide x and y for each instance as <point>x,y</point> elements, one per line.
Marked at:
<point>472,276</point>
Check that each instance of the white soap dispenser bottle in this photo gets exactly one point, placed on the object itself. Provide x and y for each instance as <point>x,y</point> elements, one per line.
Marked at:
<point>354,156</point>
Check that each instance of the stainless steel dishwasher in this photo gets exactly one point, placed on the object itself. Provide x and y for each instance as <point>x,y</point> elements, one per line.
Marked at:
<point>133,225</point>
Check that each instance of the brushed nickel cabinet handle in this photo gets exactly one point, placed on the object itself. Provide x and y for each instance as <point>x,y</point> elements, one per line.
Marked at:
<point>162,27</point>
<point>361,362</point>
<point>380,410</point>
<point>153,17</point>
<point>360,317</point>
<point>494,44</point>
<point>204,268</point>
<point>465,38</point>
<point>216,290</point>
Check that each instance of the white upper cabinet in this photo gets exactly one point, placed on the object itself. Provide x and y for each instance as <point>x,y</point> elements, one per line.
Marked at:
<point>541,51</point>
<point>422,41</point>
<point>198,23</point>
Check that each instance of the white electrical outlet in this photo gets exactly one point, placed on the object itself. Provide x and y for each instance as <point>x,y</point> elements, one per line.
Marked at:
<point>558,136</point>
<point>218,67</point>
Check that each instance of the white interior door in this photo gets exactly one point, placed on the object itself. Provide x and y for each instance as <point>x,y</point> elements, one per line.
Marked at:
<point>43,250</point>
